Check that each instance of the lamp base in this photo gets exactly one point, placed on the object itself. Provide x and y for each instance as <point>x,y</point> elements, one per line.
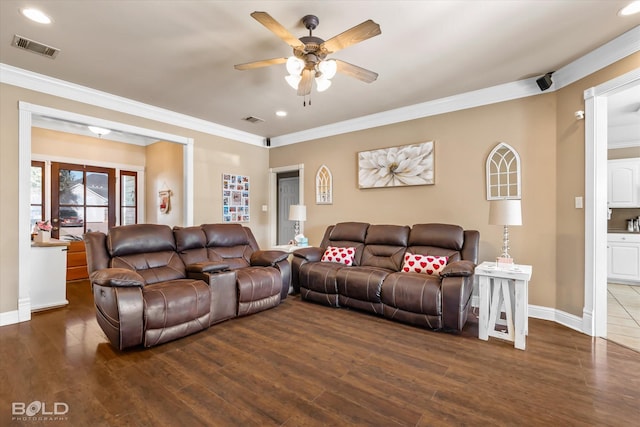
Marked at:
<point>503,260</point>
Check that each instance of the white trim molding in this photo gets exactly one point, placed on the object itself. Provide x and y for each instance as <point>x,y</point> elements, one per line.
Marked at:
<point>594,316</point>
<point>63,89</point>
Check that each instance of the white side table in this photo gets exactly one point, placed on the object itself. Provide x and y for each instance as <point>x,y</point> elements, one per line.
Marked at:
<point>508,286</point>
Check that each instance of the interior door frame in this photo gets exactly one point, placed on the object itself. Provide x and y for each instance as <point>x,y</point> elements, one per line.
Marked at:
<point>273,198</point>
<point>594,313</point>
<point>26,112</point>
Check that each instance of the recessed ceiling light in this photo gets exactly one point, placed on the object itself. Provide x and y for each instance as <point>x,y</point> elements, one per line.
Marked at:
<point>630,9</point>
<point>36,15</point>
<point>281,113</point>
<point>99,131</point>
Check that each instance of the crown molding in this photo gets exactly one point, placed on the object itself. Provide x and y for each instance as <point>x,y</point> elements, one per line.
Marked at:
<point>620,47</point>
<point>38,82</point>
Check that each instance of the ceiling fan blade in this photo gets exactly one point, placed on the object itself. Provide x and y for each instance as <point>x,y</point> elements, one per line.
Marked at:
<point>276,28</point>
<point>357,72</point>
<point>304,87</point>
<point>357,34</point>
<point>259,64</point>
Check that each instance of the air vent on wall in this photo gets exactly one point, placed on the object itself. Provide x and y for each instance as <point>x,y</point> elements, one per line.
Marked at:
<point>252,119</point>
<point>34,46</point>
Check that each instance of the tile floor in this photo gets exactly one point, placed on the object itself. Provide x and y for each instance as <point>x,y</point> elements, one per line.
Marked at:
<point>623,315</point>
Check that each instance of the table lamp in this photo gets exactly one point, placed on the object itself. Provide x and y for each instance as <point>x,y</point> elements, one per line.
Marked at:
<point>505,212</point>
<point>297,213</point>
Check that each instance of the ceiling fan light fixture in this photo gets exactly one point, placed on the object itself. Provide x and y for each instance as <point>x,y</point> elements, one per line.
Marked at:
<point>295,65</point>
<point>322,83</point>
<point>328,68</point>
<point>293,80</point>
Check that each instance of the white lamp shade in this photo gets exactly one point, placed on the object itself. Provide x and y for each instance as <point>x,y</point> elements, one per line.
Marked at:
<point>297,213</point>
<point>293,81</point>
<point>328,68</point>
<point>294,65</point>
<point>505,212</point>
<point>322,84</point>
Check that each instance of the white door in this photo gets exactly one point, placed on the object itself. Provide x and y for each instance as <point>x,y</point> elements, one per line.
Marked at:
<point>288,193</point>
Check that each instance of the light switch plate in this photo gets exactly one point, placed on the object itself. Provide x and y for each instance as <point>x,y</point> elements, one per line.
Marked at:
<point>579,204</point>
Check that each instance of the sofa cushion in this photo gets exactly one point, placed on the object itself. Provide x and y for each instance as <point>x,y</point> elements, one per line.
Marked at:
<point>154,267</point>
<point>175,308</point>
<point>361,283</point>
<point>339,255</point>
<point>427,264</point>
<point>349,231</point>
<point>320,276</point>
<point>437,240</point>
<point>413,292</point>
<point>140,238</point>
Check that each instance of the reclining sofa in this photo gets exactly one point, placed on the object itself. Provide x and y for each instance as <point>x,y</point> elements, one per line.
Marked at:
<point>152,284</point>
<point>421,275</point>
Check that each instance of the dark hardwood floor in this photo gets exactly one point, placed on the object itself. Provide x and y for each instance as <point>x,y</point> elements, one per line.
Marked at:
<point>303,364</point>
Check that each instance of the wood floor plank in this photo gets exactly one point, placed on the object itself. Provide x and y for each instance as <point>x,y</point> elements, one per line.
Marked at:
<point>302,364</point>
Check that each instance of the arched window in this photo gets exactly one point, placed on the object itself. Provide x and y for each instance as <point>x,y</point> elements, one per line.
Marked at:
<point>503,173</point>
<point>324,186</point>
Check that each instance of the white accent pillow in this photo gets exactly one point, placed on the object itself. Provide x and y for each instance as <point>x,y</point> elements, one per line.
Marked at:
<point>427,264</point>
<point>341,255</point>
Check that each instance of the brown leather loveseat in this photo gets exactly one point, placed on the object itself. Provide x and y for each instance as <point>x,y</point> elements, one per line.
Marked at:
<point>387,274</point>
<point>152,284</point>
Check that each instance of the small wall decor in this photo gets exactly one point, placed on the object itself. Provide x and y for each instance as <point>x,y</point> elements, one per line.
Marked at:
<point>235,198</point>
<point>503,173</point>
<point>324,186</point>
<point>164,198</point>
<point>397,166</point>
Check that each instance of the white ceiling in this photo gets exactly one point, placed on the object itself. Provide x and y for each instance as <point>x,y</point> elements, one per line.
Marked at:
<point>179,55</point>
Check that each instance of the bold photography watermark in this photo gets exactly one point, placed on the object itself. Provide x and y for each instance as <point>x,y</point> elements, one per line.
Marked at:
<point>39,411</point>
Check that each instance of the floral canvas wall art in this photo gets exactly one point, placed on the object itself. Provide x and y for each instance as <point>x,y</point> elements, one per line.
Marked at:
<point>397,166</point>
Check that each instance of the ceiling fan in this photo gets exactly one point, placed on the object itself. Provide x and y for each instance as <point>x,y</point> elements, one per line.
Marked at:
<point>308,61</point>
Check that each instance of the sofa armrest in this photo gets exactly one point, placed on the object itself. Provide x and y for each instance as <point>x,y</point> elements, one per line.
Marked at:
<point>117,277</point>
<point>207,267</point>
<point>267,258</point>
<point>310,254</point>
<point>463,268</point>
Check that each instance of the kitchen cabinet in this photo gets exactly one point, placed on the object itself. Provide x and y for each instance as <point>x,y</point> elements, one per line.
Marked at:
<point>47,274</point>
<point>623,257</point>
<point>623,183</point>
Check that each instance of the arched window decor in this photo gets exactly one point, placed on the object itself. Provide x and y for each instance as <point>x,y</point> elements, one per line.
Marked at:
<point>324,186</point>
<point>503,173</point>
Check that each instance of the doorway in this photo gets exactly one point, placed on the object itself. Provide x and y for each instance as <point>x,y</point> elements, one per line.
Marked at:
<point>27,113</point>
<point>275,213</point>
<point>594,319</point>
<point>288,194</point>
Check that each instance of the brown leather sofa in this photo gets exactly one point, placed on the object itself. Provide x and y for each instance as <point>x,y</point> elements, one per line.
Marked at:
<point>376,283</point>
<point>152,284</point>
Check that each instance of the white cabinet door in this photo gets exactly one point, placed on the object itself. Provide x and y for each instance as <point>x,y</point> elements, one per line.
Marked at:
<point>623,183</point>
<point>624,261</point>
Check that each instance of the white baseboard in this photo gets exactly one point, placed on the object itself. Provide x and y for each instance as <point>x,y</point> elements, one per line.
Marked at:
<point>545,313</point>
<point>9,318</point>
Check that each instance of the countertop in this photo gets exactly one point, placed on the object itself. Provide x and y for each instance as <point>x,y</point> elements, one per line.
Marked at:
<point>50,243</point>
<point>622,230</point>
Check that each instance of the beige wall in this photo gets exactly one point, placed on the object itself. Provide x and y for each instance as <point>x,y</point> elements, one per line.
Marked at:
<point>550,141</point>
<point>463,140</point>
<point>164,172</point>
<point>96,151</point>
<point>212,156</point>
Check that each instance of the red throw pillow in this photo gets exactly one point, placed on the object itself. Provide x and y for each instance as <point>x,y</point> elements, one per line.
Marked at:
<point>427,264</point>
<point>341,255</point>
